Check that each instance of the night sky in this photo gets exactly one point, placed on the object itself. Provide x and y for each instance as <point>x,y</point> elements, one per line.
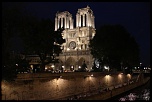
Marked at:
<point>134,16</point>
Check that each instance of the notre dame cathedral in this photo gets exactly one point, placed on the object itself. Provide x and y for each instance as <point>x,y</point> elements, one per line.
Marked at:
<point>76,48</point>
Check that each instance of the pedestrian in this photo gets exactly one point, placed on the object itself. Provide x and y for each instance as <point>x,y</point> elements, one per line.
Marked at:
<point>84,66</point>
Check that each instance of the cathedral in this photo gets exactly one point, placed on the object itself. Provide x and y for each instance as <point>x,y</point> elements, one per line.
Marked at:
<point>75,51</point>
<point>76,48</point>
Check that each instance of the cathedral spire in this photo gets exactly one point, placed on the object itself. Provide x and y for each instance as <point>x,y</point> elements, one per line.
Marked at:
<point>88,6</point>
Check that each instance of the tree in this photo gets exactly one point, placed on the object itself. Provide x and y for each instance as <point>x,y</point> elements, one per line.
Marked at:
<point>114,46</point>
<point>37,36</point>
<point>41,39</point>
<point>11,27</point>
<point>22,65</point>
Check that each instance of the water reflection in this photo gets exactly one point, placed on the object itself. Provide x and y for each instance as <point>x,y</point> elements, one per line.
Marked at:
<point>144,95</point>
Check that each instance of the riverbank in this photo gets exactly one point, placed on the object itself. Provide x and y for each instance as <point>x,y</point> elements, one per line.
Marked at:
<point>117,91</point>
<point>139,93</point>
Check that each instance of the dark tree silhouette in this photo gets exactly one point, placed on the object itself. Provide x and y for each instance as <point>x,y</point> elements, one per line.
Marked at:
<point>114,46</point>
<point>38,37</point>
<point>12,18</point>
<point>41,39</point>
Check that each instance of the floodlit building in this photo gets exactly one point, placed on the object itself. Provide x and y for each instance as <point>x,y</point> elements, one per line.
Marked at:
<point>76,48</point>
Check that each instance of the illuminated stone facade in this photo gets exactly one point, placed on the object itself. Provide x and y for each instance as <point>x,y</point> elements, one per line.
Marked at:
<point>46,86</point>
<point>76,48</point>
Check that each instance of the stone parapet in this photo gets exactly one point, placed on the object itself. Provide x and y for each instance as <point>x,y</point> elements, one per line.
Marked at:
<point>56,86</point>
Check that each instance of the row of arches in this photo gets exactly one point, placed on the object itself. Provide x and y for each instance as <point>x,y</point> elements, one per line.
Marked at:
<point>72,63</point>
<point>65,23</point>
<point>68,23</point>
<point>83,20</point>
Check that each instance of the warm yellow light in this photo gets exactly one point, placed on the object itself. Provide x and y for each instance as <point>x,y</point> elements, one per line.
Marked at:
<point>120,76</point>
<point>68,49</point>
<point>107,76</point>
<point>52,66</point>
<point>129,76</point>
<point>31,66</point>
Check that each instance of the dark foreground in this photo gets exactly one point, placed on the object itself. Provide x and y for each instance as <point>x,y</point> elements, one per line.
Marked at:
<point>139,93</point>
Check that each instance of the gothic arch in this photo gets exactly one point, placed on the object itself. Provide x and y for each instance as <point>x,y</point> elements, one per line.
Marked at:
<point>81,60</point>
<point>58,65</point>
<point>70,62</point>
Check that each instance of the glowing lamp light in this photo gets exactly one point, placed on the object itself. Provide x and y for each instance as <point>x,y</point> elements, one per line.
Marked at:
<point>52,66</point>
<point>68,49</point>
<point>107,75</point>
<point>106,67</point>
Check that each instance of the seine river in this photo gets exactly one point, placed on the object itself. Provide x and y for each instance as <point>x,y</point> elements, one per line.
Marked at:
<point>139,93</point>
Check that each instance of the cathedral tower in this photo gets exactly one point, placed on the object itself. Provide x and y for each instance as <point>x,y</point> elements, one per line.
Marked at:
<point>63,19</point>
<point>76,48</point>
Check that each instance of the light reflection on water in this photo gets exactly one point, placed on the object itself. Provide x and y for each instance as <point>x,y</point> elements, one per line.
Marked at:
<point>144,95</point>
<point>140,93</point>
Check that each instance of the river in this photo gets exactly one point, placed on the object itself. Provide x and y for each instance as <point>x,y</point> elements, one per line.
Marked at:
<point>139,93</point>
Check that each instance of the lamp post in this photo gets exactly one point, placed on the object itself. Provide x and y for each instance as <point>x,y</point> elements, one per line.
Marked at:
<point>62,68</point>
<point>140,64</point>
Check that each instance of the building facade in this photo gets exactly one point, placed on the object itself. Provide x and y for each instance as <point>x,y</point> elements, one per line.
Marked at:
<point>76,48</point>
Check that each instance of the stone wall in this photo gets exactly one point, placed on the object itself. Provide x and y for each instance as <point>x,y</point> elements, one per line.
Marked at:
<point>116,91</point>
<point>49,86</point>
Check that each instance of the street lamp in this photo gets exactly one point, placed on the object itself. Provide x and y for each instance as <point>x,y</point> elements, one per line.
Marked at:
<point>52,66</point>
<point>107,68</point>
<point>72,68</point>
<point>140,64</point>
<point>140,67</point>
<point>62,68</point>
